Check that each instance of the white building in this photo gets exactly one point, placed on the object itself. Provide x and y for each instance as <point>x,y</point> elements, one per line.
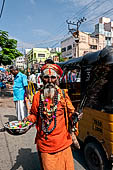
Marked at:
<point>105,27</point>
<point>20,62</point>
<point>68,48</point>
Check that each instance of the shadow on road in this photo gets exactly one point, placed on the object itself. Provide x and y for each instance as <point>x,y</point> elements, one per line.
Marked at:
<point>11,117</point>
<point>26,160</point>
<point>78,155</point>
<point>6,93</point>
<point>29,161</point>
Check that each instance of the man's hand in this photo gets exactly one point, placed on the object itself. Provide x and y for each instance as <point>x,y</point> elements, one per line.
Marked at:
<point>25,120</point>
<point>77,116</point>
<point>28,105</point>
<point>26,92</point>
<point>80,115</point>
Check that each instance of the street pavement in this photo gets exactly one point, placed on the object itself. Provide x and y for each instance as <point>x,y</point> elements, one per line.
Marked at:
<point>19,152</point>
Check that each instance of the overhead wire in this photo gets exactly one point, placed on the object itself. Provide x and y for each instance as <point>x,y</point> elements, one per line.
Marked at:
<point>61,28</point>
<point>62,25</point>
<point>86,7</point>
<point>96,10</point>
<point>91,10</point>
<point>2,8</point>
<point>59,41</point>
<point>106,12</point>
<point>52,40</point>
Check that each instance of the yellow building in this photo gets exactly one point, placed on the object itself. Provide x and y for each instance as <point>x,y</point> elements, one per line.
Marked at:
<point>37,55</point>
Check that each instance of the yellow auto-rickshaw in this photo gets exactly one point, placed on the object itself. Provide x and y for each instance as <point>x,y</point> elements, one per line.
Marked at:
<point>93,94</point>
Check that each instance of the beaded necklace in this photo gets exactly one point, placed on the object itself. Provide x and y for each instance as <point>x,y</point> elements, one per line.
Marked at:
<point>48,115</point>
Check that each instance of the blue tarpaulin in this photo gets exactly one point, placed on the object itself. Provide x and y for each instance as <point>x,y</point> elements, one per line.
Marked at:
<point>2,85</point>
<point>2,69</point>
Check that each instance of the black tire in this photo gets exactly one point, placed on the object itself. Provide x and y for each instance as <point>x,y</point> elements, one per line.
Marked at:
<point>95,156</point>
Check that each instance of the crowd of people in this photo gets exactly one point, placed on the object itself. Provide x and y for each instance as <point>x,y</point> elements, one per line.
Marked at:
<point>51,111</point>
<point>71,76</point>
<point>5,77</point>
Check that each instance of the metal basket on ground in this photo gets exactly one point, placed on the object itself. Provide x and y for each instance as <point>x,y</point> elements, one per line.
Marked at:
<point>17,127</point>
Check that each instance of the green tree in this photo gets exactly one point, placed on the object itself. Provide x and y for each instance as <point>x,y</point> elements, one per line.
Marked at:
<point>61,59</point>
<point>8,51</point>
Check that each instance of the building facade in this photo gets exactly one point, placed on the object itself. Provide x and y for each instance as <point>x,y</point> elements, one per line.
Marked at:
<point>68,48</point>
<point>20,62</point>
<point>37,56</point>
<point>105,27</point>
<point>87,43</point>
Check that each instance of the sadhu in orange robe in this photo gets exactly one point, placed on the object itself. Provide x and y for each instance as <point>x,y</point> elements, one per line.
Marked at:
<point>54,149</point>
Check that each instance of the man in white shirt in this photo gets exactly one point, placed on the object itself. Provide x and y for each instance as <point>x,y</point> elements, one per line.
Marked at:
<point>39,81</point>
<point>32,78</point>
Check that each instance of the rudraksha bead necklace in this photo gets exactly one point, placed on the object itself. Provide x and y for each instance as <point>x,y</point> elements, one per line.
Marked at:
<point>48,115</point>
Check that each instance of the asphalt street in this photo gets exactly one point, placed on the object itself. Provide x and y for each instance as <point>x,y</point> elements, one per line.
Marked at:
<point>19,152</point>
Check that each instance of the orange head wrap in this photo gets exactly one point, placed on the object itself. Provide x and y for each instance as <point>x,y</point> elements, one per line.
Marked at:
<point>54,67</point>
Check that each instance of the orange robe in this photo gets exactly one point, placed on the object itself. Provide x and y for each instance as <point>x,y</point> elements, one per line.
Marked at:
<point>62,160</point>
<point>60,138</point>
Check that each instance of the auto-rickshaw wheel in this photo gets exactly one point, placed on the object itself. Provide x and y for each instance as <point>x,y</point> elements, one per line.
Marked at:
<point>94,156</point>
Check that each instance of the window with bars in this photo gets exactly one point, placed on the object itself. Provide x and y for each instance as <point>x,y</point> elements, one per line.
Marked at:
<point>93,46</point>
<point>63,49</point>
<point>69,47</point>
<point>41,55</point>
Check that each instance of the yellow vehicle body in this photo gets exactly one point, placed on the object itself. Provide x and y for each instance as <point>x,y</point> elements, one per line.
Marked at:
<point>98,125</point>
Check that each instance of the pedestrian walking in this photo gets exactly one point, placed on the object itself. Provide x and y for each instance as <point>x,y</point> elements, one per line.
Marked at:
<point>39,81</point>
<point>32,78</point>
<point>53,139</point>
<point>20,92</point>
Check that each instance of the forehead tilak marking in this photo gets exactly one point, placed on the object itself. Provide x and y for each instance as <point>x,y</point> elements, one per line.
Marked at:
<point>49,71</point>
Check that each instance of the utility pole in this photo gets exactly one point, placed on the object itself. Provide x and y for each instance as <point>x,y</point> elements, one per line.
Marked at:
<point>75,31</point>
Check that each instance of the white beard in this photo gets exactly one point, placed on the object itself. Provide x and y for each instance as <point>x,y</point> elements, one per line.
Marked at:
<point>49,90</point>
